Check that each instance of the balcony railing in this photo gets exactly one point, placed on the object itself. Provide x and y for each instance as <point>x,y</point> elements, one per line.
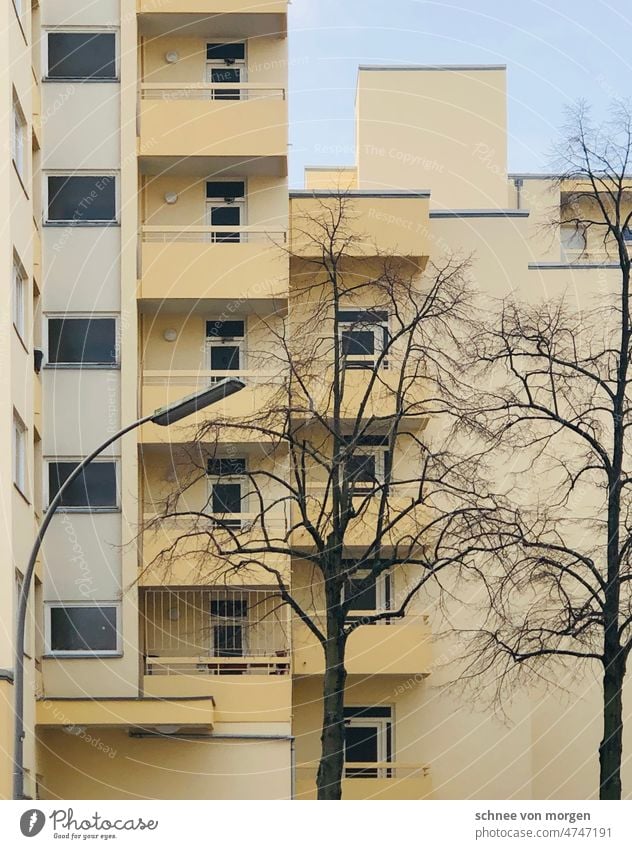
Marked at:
<point>215,632</point>
<point>228,92</point>
<point>213,235</point>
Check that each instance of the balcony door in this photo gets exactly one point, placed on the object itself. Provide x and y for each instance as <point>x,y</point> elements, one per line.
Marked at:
<point>229,627</point>
<point>225,208</point>
<point>368,740</point>
<point>226,63</point>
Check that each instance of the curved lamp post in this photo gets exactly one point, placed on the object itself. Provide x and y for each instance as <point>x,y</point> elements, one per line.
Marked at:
<point>164,416</point>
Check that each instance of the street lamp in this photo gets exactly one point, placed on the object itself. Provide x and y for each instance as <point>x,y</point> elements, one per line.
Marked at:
<point>165,416</point>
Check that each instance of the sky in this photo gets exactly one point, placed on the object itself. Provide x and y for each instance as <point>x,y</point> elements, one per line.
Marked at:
<point>556,53</point>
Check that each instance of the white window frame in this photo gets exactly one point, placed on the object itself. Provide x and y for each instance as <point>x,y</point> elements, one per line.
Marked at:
<point>382,724</point>
<point>214,64</point>
<point>83,509</point>
<point>89,222</point>
<point>19,136</point>
<point>379,452</point>
<point>378,337</point>
<point>20,437</point>
<point>230,479</point>
<point>49,652</point>
<point>77,31</point>
<point>220,203</point>
<point>88,315</point>
<point>382,581</point>
<point>20,299</point>
<point>233,341</point>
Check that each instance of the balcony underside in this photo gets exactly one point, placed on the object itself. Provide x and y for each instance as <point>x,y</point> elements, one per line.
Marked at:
<point>226,167</point>
<point>211,18</point>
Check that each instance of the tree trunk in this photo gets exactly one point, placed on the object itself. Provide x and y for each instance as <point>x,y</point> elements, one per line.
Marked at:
<point>330,768</point>
<point>611,747</point>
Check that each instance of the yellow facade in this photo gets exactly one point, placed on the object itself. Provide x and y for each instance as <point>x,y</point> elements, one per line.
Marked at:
<point>166,712</point>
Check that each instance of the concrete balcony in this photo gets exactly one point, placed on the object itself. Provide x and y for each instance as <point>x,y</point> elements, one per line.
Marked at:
<point>391,647</point>
<point>406,530</point>
<point>393,223</point>
<point>216,18</point>
<point>144,713</point>
<point>161,388</point>
<point>192,121</point>
<point>177,552</point>
<point>193,263</point>
<point>389,780</point>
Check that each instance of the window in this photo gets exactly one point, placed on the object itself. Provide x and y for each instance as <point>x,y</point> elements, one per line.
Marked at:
<point>95,488</point>
<point>19,453</point>
<point>368,591</point>
<point>18,138</point>
<point>81,56</point>
<point>82,629</point>
<point>225,345</point>
<point>368,466</point>
<point>82,341</point>
<point>19,297</point>
<point>363,337</point>
<point>229,621</point>
<point>81,199</point>
<point>226,63</point>
<point>227,478</point>
<point>368,739</point>
<point>225,208</point>
<point>573,239</point>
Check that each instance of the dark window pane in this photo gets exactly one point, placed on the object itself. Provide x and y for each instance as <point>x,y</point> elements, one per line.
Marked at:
<point>90,198</point>
<point>358,342</point>
<point>229,608</point>
<point>384,712</point>
<point>227,498</point>
<point>362,599</point>
<point>228,640</point>
<point>225,329</point>
<point>227,466</point>
<point>361,468</point>
<point>81,55</point>
<point>235,51</point>
<point>361,746</point>
<point>82,340</point>
<point>225,358</point>
<point>83,629</point>
<point>226,216</point>
<point>95,486</point>
<point>225,189</point>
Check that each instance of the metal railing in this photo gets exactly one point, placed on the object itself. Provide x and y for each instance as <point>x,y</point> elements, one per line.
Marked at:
<point>213,235</point>
<point>393,770</point>
<point>227,92</point>
<point>220,631</point>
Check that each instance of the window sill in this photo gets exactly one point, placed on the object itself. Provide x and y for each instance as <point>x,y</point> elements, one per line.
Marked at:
<point>46,79</point>
<point>80,655</point>
<point>86,510</point>
<point>65,224</point>
<point>20,178</point>
<point>83,366</point>
<point>21,493</point>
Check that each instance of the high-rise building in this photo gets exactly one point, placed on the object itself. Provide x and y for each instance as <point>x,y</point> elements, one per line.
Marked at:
<point>147,228</point>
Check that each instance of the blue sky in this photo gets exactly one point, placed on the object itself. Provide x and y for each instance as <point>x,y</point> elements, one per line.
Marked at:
<point>555,53</point>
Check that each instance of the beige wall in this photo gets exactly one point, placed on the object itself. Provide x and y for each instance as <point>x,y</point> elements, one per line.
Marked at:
<point>443,130</point>
<point>127,768</point>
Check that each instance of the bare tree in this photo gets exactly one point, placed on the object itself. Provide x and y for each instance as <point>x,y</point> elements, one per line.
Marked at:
<point>350,482</point>
<point>558,401</point>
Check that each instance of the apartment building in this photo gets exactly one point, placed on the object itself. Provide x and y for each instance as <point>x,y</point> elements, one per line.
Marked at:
<point>149,147</point>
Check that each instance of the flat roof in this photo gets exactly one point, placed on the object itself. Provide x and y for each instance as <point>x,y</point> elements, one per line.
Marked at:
<point>432,68</point>
<point>370,193</point>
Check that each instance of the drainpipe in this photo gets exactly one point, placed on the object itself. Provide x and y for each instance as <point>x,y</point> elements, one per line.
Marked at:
<point>518,183</point>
